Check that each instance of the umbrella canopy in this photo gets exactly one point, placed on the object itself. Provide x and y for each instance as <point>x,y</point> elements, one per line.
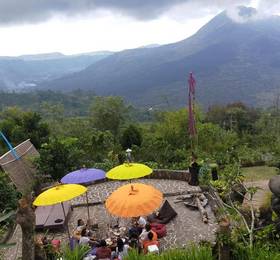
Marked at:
<point>129,171</point>
<point>133,200</point>
<point>84,175</point>
<point>59,194</point>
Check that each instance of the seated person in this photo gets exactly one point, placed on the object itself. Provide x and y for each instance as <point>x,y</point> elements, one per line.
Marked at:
<point>122,248</point>
<point>80,226</point>
<point>85,240</point>
<point>149,242</point>
<point>103,252</point>
<point>134,242</point>
<point>141,222</point>
<point>138,224</point>
<point>146,230</point>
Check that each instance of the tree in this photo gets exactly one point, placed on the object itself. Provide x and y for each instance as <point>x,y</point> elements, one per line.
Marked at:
<point>59,156</point>
<point>131,136</point>
<point>108,113</point>
<point>18,126</point>
<point>235,116</point>
<point>8,195</point>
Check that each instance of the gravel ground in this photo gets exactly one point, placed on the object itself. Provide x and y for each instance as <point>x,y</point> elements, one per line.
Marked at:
<point>187,227</point>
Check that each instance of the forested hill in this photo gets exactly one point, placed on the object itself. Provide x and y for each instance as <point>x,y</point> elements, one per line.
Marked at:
<point>231,61</point>
<point>28,70</point>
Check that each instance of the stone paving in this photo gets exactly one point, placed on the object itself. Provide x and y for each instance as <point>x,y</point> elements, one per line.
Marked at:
<point>187,227</point>
<point>99,192</point>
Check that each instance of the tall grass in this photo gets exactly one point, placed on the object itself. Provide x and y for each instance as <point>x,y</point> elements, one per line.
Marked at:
<point>190,253</point>
<point>257,253</point>
<point>78,253</point>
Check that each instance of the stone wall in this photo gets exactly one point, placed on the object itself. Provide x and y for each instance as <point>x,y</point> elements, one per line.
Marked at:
<point>180,175</point>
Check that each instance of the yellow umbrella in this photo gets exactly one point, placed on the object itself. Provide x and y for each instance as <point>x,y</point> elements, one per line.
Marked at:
<point>59,194</point>
<point>129,171</point>
<point>133,200</point>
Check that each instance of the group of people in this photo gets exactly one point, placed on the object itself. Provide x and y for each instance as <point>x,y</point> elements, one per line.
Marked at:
<point>140,237</point>
<point>141,231</point>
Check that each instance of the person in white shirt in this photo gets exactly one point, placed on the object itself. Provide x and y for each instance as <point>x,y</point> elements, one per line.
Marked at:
<point>141,222</point>
<point>84,240</point>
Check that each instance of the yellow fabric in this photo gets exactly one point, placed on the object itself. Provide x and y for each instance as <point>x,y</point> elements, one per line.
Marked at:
<point>59,194</point>
<point>129,171</point>
<point>133,200</point>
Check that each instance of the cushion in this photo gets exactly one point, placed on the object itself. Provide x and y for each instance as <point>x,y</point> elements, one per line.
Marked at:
<point>165,215</point>
<point>153,249</point>
<point>160,229</point>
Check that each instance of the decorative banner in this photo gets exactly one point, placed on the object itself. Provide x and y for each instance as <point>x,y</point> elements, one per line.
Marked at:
<point>192,83</point>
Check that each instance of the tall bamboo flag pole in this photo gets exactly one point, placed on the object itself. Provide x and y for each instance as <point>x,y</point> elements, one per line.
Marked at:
<point>192,126</point>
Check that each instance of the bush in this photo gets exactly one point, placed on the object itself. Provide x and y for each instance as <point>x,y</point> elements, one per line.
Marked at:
<point>131,136</point>
<point>59,156</point>
<point>8,194</point>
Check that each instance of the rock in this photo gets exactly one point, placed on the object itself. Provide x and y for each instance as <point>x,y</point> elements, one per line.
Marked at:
<point>274,185</point>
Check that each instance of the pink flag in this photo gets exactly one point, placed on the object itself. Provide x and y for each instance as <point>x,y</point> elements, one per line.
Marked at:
<point>192,128</point>
<point>191,84</point>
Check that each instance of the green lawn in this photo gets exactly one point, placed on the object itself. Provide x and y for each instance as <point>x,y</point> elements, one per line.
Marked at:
<point>259,173</point>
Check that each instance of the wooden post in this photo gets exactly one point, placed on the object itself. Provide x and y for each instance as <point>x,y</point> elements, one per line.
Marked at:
<point>224,231</point>
<point>26,219</point>
<point>67,227</point>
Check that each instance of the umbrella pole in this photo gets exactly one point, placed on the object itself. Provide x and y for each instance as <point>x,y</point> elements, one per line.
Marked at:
<point>68,232</point>
<point>87,205</point>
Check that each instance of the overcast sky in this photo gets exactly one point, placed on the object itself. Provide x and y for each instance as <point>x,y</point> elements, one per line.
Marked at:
<point>75,26</point>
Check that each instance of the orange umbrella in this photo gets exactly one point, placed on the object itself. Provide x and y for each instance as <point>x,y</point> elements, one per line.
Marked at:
<point>133,200</point>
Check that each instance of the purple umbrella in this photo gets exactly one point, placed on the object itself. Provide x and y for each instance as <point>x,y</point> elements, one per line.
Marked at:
<point>84,175</point>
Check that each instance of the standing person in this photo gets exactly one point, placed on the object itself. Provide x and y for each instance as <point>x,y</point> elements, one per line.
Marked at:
<point>194,171</point>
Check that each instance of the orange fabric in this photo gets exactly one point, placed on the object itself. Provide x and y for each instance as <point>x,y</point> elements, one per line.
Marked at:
<point>149,243</point>
<point>133,200</point>
<point>155,237</point>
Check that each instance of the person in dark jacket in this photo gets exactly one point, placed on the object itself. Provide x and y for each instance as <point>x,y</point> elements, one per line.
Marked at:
<point>194,171</point>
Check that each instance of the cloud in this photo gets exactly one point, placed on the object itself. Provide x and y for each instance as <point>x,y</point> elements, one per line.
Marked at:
<point>32,11</point>
<point>262,10</point>
<point>268,7</point>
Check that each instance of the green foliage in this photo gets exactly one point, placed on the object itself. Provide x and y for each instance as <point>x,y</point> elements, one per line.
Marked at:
<point>108,113</point>
<point>235,116</point>
<point>19,126</point>
<point>59,156</point>
<point>131,136</point>
<point>205,174</point>
<point>256,253</point>
<point>78,253</point>
<point>230,176</point>
<point>50,104</point>
<point>9,196</point>
<point>190,253</point>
